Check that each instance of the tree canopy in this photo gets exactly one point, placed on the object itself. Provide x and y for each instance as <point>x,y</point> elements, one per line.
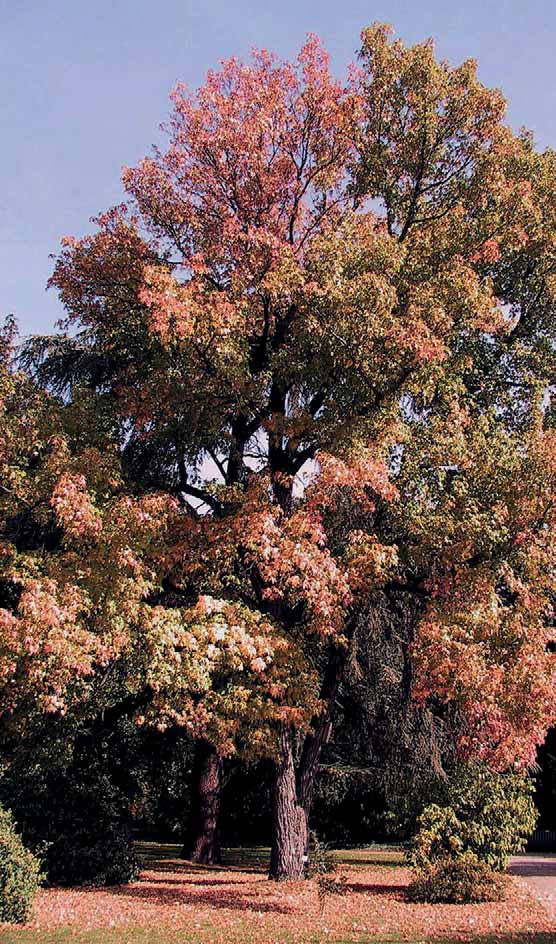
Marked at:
<point>323,328</point>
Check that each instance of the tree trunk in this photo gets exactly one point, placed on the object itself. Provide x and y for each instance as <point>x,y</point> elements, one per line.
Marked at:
<point>203,844</point>
<point>321,729</point>
<point>293,793</point>
<point>288,856</point>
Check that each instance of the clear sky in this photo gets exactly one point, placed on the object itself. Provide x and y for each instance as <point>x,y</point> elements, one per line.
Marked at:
<point>85,85</point>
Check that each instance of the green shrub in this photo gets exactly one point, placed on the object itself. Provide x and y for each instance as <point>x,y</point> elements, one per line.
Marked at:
<point>90,840</point>
<point>19,873</point>
<point>457,881</point>
<point>485,813</point>
<point>86,858</point>
<point>75,817</point>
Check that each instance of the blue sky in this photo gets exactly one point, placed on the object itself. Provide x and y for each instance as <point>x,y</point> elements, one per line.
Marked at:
<point>85,86</point>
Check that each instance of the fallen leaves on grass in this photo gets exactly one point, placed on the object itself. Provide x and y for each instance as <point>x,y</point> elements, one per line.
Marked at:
<point>223,906</point>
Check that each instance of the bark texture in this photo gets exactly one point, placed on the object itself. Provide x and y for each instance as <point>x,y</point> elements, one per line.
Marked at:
<point>294,789</point>
<point>289,822</point>
<point>203,845</point>
<point>321,730</point>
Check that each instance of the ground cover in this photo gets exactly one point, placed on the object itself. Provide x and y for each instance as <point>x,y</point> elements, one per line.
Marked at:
<point>177,903</point>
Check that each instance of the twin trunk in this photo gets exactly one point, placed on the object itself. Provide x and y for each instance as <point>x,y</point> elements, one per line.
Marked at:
<point>292,794</point>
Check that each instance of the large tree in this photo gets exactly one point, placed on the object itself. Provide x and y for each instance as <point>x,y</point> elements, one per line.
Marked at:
<point>85,623</point>
<point>324,315</point>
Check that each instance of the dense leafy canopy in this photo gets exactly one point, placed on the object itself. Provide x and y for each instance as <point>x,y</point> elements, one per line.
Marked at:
<point>320,340</point>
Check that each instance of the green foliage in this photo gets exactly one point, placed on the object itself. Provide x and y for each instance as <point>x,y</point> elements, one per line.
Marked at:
<point>485,813</point>
<point>458,882</point>
<point>407,791</point>
<point>88,841</point>
<point>19,873</point>
<point>348,807</point>
<point>89,857</point>
<point>72,806</point>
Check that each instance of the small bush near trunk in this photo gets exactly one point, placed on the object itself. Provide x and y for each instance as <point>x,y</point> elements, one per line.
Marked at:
<point>457,881</point>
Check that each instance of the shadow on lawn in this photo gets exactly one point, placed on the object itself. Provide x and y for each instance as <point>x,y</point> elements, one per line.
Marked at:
<point>165,857</point>
<point>183,865</point>
<point>217,883</point>
<point>218,897</point>
<point>391,891</point>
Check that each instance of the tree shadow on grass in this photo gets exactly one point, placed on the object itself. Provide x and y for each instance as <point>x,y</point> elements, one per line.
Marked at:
<point>202,882</point>
<point>184,865</point>
<point>215,898</point>
<point>372,861</point>
<point>397,892</point>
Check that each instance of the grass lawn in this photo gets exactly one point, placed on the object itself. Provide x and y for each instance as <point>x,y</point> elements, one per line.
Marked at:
<point>175,902</point>
<point>152,936</point>
<point>257,857</point>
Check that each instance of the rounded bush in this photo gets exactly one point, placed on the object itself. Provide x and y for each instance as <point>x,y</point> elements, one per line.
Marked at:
<point>86,858</point>
<point>457,881</point>
<point>485,813</point>
<point>20,873</point>
<point>77,820</point>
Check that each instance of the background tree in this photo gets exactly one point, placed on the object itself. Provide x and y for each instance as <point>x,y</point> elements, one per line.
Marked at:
<point>83,628</point>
